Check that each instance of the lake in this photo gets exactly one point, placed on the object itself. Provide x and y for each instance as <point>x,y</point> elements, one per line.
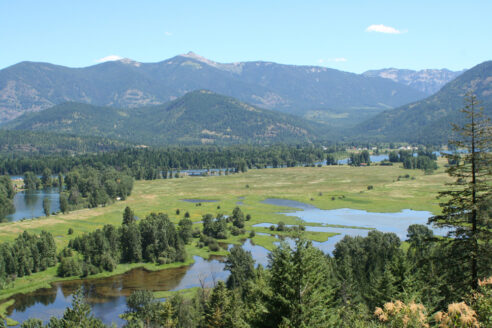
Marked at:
<point>29,204</point>
<point>397,223</point>
<point>107,296</point>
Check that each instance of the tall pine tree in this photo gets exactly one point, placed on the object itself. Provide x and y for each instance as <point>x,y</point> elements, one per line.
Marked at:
<point>463,207</point>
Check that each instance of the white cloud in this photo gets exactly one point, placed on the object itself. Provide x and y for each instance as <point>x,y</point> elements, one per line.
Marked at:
<point>168,33</point>
<point>380,28</point>
<point>336,60</point>
<point>109,58</point>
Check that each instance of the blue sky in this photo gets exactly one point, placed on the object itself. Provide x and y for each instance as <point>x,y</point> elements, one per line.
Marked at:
<point>349,35</point>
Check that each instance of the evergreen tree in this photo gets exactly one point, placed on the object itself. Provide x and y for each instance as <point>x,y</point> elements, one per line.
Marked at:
<point>462,210</point>
<point>240,264</point>
<point>46,178</point>
<point>46,206</point>
<point>63,203</point>
<point>128,216</point>
<point>300,280</point>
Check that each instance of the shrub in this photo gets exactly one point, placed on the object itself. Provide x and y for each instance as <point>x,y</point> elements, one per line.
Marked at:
<point>214,246</point>
<point>70,231</point>
<point>399,314</point>
<point>370,187</point>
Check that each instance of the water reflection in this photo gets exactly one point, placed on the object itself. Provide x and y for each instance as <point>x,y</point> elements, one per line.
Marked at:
<point>397,223</point>
<point>107,296</point>
<point>29,203</point>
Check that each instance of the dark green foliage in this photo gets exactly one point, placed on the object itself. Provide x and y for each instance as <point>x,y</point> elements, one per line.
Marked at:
<point>46,206</point>
<point>331,160</point>
<point>69,266</point>
<point>191,119</point>
<point>32,323</point>
<point>238,218</point>
<point>128,216</point>
<point>146,311</point>
<point>63,203</point>
<point>91,187</point>
<point>31,143</point>
<point>27,254</point>
<point>361,264</point>
<point>301,281</point>
<point>131,244</point>
<point>154,239</point>
<point>31,181</point>
<point>466,205</point>
<point>357,159</point>
<point>216,228</point>
<point>185,231</point>
<point>138,161</point>
<point>160,239</point>
<point>79,315</point>
<point>241,266</point>
<point>46,179</point>
<point>421,162</point>
<point>7,194</point>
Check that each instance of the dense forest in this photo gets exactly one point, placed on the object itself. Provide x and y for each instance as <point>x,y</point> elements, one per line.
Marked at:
<point>368,282</point>
<point>31,142</point>
<point>149,162</point>
<point>29,253</point>
<point>7,193</point>
<point>154,239</point>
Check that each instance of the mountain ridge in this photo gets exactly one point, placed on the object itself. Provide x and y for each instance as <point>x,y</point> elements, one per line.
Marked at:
<point>428,81</point>
<point>198,117</point>
<point>302,90</point>
<point>429,119</point>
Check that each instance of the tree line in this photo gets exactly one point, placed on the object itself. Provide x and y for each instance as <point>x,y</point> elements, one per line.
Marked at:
<point>154,239</point>
<point>27,254</point>
<point>7,193</point>
<point>148,163</point>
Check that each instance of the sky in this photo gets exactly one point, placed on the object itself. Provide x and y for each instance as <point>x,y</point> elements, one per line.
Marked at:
<point>349,35</point>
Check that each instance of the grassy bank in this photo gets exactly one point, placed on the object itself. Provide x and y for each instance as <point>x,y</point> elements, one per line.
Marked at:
<point>324,187</point>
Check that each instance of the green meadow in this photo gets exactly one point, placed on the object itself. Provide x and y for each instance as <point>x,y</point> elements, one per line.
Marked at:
<point>324,187</point>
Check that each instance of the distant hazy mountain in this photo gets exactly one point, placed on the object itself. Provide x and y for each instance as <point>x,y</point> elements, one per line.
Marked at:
<point>318,93</point>
<point>429,120</point>
<point>428,81</point>
<point>197,117</point>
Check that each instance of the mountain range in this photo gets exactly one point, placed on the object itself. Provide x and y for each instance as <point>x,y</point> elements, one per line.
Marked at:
<point>428,120</point>
<point>317,93</point>
<point>428,81</point>
<point>198,117</point>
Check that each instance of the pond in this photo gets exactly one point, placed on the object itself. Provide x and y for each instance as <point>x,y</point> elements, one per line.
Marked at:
<point>374,159</point>
<point>29,204</point>
<point>107,296</point>
<point>200,200</point>
<point>397,223</point>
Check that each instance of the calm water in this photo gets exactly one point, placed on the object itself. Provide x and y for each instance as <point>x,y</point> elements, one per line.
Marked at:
<point>397,223</point>
<point>200,200</point>
<point>107,296</point>
<point>29,204</point>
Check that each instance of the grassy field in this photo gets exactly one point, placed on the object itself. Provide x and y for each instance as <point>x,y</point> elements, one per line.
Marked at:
<point>324,187</point>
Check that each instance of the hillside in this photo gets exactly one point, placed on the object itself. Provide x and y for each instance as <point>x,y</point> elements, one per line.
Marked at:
<point>33,143</point>
<point>318,93</point>
<point>196,118</point>
<point>429,120</point>
<point>428,81</point>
